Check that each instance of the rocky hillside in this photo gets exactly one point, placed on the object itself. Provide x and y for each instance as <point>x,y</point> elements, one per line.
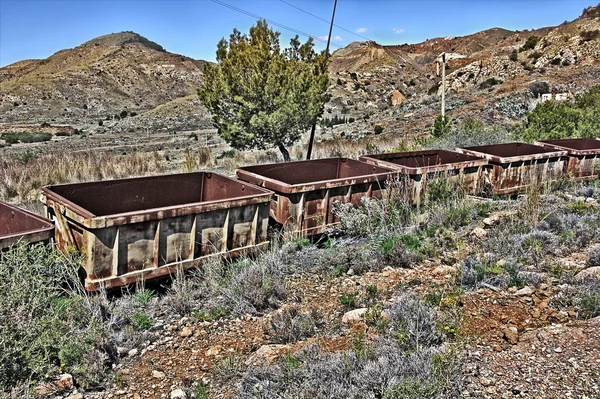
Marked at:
<point>488,74</point>
<point>96,81</point>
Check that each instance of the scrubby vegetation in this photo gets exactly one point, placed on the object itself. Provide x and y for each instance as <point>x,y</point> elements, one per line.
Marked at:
<point>14,138</point>
<point>552,120</point>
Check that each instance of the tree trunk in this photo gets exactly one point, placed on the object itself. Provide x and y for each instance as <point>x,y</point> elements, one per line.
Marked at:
<point>284,152</point>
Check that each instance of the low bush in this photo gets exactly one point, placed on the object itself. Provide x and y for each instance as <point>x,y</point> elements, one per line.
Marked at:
<point>406,359</point>
<point>48,324</point>
<point>291,325</point>
<point>530,43</point>
<point>489,82</point>
<point>13,138</point>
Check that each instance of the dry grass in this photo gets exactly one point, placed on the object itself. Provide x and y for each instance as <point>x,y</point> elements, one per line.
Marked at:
<point>22,176</point>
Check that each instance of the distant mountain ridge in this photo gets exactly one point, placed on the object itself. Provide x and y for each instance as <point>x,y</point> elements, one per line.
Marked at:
<point>125,73</point>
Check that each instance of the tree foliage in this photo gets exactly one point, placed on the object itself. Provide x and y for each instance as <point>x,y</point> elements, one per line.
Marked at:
<point>441,126</point>
<point>261,96</point>
<point>552,120</point>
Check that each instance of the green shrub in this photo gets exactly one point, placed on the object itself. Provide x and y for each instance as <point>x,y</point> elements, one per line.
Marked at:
<point>13,138</point>
<point>348,300</point>
<point>489,82</point>
<point>555,61</point>
<point>539,88</point>
<point>142,321</point>
<point>441,126</point>
<point>514,56</point>
<point>587,35</point>
<point>531,42</point>
<point>47,323</point>
<point>378,129</point>
<point>551,120</point>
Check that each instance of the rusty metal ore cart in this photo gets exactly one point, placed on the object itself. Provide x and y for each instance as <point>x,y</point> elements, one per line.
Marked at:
<point>305,191</point>
<point>18,225</point>
<point>512,167</point>
<point>147,227</point>
<point>419,167</point>
<point>584,156</point>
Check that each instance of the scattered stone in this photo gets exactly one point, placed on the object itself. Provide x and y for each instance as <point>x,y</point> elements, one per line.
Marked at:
<point>186,332</point>
<point>525,291</point>
<point>444,270</point>
<point>132,352</point>
<point>497,348</point>
<point>591,273</point>
<point>178,394</point>
<point>122,351</point>
<point>266,354</point>
<point>76,396</point>
<point>487,382</point>
<point>491,220</point>
<point>511,334</point>
<point>353,316</point>
<point>64,382</point>
<point>213,351</point>
<point>479,233</point>
<point>158,374</point>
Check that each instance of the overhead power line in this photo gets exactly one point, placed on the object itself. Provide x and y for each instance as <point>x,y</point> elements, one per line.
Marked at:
<point>282,26</point>
<point>324,20</point>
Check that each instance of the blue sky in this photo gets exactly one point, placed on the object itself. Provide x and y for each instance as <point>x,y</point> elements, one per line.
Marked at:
<point>39,28</point>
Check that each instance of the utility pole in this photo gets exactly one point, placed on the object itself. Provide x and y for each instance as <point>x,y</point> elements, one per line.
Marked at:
<point>314,126</point>
<point>443,57</point>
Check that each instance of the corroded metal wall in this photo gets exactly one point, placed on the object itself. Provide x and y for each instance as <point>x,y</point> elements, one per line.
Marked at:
<point>584,156</point>
<point>417,168</point>
<point>306,191</point>
<point>19,225</point>
<point>512,167</point>
<point>144,228</point>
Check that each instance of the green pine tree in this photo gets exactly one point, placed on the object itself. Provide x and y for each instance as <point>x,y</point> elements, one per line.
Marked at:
<point>261,96</point>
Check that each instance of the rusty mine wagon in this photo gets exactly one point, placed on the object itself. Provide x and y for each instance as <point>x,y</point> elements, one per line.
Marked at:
<point>512,167</point>
<point>142,228</point>
<point>584,156</point>
<point>306,191</point>
<point>20,226</point>
<point>418,167</point>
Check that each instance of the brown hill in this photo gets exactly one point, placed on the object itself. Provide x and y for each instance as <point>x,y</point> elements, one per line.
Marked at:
<point>98,79</point>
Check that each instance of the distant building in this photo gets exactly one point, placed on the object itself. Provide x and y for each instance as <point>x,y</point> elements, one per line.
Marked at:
<point>561,96</point>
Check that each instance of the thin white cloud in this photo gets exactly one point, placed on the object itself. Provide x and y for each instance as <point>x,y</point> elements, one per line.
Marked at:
<point>361,30</point>
<point>396,30</point>
<point>333,39</point>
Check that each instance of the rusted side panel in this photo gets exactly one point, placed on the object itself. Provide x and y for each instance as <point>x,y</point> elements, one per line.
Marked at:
<point>19,225</point>
<point>515,166</point>
<point>227,217</point>
<point>584,156</point>
<point>306,191</point>
<point>417,168</point>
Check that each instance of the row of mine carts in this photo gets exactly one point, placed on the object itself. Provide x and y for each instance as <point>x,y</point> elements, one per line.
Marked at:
<point>148,227</point>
